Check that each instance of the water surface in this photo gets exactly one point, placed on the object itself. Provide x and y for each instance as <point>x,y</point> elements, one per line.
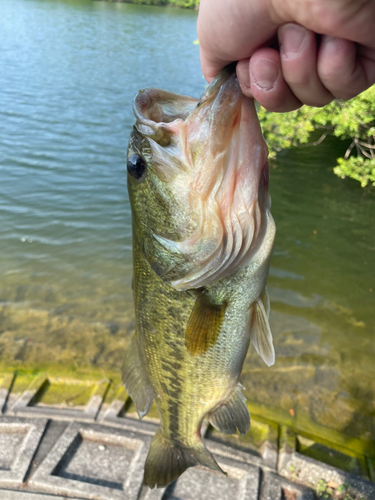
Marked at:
<point>70,70</point>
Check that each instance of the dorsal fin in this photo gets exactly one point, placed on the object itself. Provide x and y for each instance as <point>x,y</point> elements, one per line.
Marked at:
<point>260,333</point>
<point>204,325</point>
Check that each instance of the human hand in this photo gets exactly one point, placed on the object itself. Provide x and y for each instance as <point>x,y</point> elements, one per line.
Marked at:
<point>306,68</point>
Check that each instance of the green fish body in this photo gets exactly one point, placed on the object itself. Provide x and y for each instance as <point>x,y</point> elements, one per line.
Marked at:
<point>202,241</point>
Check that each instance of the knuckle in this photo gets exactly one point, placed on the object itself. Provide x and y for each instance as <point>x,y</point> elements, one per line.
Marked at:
<point>343,86</point>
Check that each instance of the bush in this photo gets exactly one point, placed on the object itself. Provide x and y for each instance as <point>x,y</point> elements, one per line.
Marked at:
<point>187,4</point>
<point>354,120</point>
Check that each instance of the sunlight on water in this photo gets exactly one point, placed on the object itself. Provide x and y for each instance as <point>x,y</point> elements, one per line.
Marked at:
<point>70,70</point>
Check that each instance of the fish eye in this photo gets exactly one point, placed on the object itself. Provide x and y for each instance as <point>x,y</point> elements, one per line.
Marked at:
<point>136,166</point>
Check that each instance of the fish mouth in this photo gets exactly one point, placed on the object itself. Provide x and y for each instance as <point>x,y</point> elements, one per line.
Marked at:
<point>215,145</point>
<point>155,109</point>
<point>159,112</point>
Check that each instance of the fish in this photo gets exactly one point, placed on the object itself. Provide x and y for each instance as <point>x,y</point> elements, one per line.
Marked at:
<point>203,233</point>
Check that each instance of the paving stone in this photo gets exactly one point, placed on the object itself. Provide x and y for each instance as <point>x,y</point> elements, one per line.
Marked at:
<point>271,488</point>
<point>221,451</point>
<point>287,446</point>
<point>19,439</point>
<point>51,435</point>
<point>25,404</point>
<point>261,440</point>
<point>331,456</point>
<point>27,495</point>
<point>308,470</point>
<point>72,456</point>
<point>5,386</point>
<point>154,494</point>
<point>94,461</point>
<point>116,406</point>
<point>270,455</point>
<point>198,483</point>
<point>130,423</point>
<point>274,487</point>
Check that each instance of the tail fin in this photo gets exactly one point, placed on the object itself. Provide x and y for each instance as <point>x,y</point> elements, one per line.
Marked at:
<point>166,461</point>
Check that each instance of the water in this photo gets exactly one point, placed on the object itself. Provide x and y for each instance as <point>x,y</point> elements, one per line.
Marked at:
<point>70,70</point>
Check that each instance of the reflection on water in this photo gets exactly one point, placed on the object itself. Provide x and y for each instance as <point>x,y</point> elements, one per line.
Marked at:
<point>70,71</point>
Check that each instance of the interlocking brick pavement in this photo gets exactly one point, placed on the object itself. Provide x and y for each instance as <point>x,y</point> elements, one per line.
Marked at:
<point>93,451</point>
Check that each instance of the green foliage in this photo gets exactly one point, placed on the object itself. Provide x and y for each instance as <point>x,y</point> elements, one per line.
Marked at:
<point>187,4</point>
<point>333,491</point>
<point>149,2</point>
<point>322,489</point>
<point>359,168</point>
<point>354,119</point>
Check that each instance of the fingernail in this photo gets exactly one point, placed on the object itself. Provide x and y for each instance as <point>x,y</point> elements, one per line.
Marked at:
<point>264,73</point>
<point>331,43</point>
<point>292,37</point>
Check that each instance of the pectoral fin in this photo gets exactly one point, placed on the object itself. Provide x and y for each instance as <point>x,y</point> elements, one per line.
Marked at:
<point>204,325</point>
<point>266,302</point>
<point>136,381</point>
<point>232,415</point>
<point>260,333</point>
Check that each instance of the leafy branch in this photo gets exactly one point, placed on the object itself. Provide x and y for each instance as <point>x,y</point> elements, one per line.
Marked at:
<point>354,119</point>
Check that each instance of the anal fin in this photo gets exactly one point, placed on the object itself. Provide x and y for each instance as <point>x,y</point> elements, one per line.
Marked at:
<point>136,381</point>
<point>232,415</point>
<point>260,332</point>
<point>204,325</point>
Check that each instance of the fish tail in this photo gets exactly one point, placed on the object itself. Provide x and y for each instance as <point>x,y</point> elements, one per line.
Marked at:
<point>166,460</point>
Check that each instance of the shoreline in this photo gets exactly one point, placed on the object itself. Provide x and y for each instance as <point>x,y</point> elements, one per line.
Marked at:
<point>159,3</point>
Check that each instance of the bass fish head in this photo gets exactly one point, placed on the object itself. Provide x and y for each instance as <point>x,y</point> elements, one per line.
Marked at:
<point>198,183</point>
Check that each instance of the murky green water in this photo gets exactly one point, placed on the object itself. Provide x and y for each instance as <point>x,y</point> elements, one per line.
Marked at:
<point>69,72</point>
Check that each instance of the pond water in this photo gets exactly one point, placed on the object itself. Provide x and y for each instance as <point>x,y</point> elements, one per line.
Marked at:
<point>70,70</point>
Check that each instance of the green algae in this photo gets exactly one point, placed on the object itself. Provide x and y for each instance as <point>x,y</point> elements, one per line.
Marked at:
<point>116,392</point>
<point>23,382</point>
<point>65,393</point>
<point>301,424</point>
<point>371,468</point>
<point>330,490</point>
<point>347,461</point>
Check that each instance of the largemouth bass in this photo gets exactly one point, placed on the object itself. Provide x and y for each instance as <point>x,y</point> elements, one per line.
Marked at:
<point>202,240</point>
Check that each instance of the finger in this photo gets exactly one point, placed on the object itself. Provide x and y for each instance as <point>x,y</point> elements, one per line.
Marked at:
<point>261,77</point>
<point>345,69</point>
<point>210,69</point>
<point>298,51</point>
<point>243,75</point>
